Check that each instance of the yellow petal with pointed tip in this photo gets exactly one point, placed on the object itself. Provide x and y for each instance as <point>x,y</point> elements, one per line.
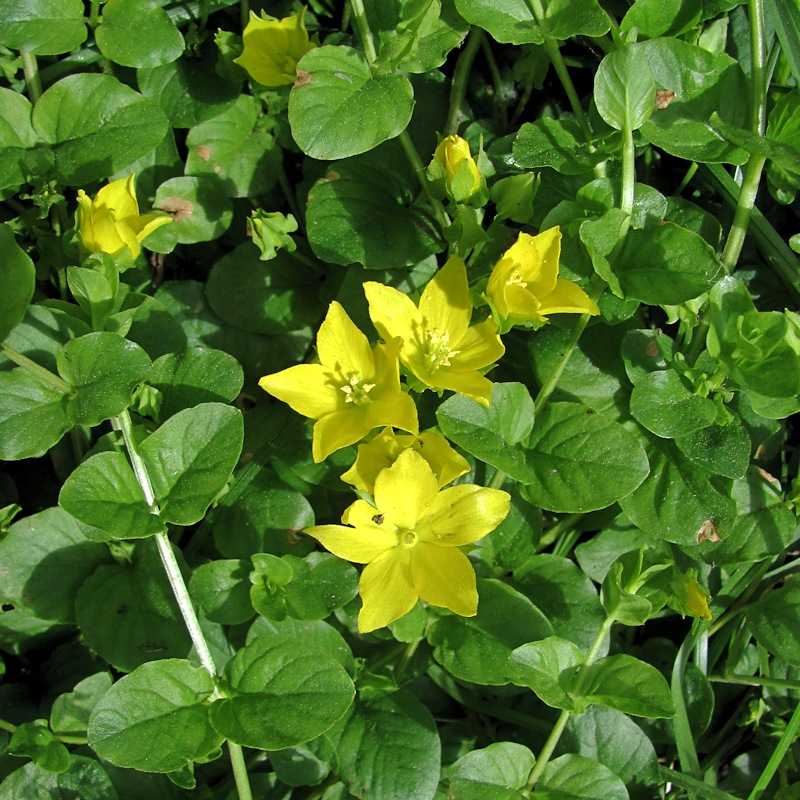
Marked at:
<point>444,577</point>
<point>387,590</point>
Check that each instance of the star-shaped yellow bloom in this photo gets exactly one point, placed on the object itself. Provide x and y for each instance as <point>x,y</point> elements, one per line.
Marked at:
<point>409,541</point>
<point>272,48</point>
<point>380,453</point>
<point>439,346</point>
<point>352,390</point>
<point>524,286</point>
<point>111,222</point>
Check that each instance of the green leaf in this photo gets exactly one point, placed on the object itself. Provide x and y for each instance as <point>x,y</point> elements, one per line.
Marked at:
<point>363,211</point>
<point>388,748</point>
<point>104,369</point>
<point>190,458</point>
<point>320,584</point>
<point>477,648</point>
<point>96,126</point>
<point>664,405</point>
<point>285,693</point>
<point>70,712</point>
<point>33,417</point>
<point>624,88</point>
<point>45,560</point>
<point>35,740</point>
<point>222,589</point>
<point>496,772</point>
<point>513,197</point>
<point>567,18</point>
<point>676,502</point>
<point>84,778</point>
<point>628,685</point>
<point>95,288</point>
<point>269,298</point>
<point>556,143</point>
<point>44,27</point>
<point>20,159</point>
<point>234,147</point>
<point>774,618</point>
<point>666,265</point>
<point>579,778</point>
<point>508,21</point>
<point>654,18</point>
<point>18,276</point>
<point>540,666</point>
<point>135,722</point>
<point>722,449</point>
<point>338,109</point>
<point>138,33</point>
<point>103,492</point>
<point>128,614</point>
<point>193,376</point>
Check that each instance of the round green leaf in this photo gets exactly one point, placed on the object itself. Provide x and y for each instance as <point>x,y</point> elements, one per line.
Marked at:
<point>128,614</point>
<point>233,147</point>
<point>84,778</point>
<point>190,458</point>
<point>263,297</point>
<point>103,492</point>
<point>580,778</point>
<point>666,265</point>
<point>567,18</point>
<point>104,369</point>
<point>337,109</point>
<point>662,403</point>
<point>156,718</point>
<point>497,771</point>
<point>321,583</point>
<point>624,89</point>
<point>46,559</point>
<point>285,693</point>
<point>33,417</point>
<point>138,33</point>
<point>19,157</point>
<point>71,710</point>
<point>508,21</point>
<point>18,277</point>
<point>722,449</point>
<point>363,211</point>
<point>222,589</point>
<point>477,648</point>
<point>96,126</point>
<point>539,666</point>
<point>35,740</point>
<point>44,27</point>
<point>774,619</point>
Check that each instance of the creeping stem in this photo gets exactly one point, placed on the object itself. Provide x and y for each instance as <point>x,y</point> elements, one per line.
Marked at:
<point>458,88</point>
<point>44,375</point>
<point>30,66</point>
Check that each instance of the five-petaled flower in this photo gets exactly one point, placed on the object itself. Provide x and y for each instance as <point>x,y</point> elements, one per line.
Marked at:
<point>382,451</point>
<point>461,174</point>
<point>409,541</point>
<point>439,347</point>
<point>524,285</point>
<point>111,222</point>
<point>352,390</point>
<point>273,47</point>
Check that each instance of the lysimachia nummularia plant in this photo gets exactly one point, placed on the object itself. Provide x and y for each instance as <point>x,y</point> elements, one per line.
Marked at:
<point>398,400</point>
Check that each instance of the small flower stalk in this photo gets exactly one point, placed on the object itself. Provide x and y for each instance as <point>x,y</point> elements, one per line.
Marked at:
<point>272,48</point>
<point>524,287</point>
<point>111,222</point>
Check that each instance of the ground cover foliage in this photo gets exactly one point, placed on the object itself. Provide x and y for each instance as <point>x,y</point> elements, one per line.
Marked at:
<point>506,252</point>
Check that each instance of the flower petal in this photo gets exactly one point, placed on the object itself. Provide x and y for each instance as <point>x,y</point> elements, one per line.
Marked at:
<point>360,545</point>
<point>394,315</point>
<point>387,591</point>
<point>538,260</point>
<point>445,462</point>
<point>470,383</point>
<point>342,346</point>
<point>310,389</point>
<point>444,577</point>
<point>568,298</point>
<point>463,514</point>
<point>480,347</point>
<point>120,197</point>
<point>445,304</point>
<point>405,491</point>
<point>340,429</point>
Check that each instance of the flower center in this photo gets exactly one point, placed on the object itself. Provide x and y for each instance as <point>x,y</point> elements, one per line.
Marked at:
<point>515,279</point>
<point>356,391</point>
<point>407,538</point>
<point>437,349</point>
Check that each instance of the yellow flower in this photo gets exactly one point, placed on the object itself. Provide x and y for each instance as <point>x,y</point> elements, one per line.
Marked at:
<point>461,173</point>
<point>439,346</point>
<point>273,47</point>
<point>524,285</point>
<point>379,454</point>
<point>111,222</point>
<point>351,391</point>
<point>410,538</point>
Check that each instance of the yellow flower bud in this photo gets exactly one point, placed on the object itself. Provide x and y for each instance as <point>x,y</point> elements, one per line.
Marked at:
<point>462,176</point>
<point>273,47</point>
<point>111,222</point>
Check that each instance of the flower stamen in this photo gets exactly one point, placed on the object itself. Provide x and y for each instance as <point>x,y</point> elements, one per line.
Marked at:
<point>356,391</point>
<point>437,349</point>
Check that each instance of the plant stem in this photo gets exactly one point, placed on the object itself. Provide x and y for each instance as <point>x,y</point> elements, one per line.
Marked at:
<point>497,81</point>
<point>628,172</point>
<point>458,88</point>
<point>787,740</point>
<point>687,752</point>
<point>30,66</point>
<point>756,680</point>
<point>419,170</point>
<point>239,771</point>
<point>360,15</point>
<point>44,375</point>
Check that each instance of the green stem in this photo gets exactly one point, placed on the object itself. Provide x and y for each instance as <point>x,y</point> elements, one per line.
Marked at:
<point>30,66</point>
<point>685,782</point>
<point>555,531</point>
<point>687,752</point>
<point>498,479</point>
<point>787,740</point>
<point>628,172</point>
<point>458,88</point>
<point>288,194</point>
<point>756,680</point>
<point>7,726</point>
<point>94,14</point>
<point>419,170</point>
<point>497,81</point>
<point>360,15</point>
<point>44,375</point>
<point>741,219</point>
<point>239,771</point>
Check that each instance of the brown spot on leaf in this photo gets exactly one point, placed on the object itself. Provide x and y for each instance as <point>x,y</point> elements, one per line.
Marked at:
<point>663,98</point>
<point>332,175</point>
<point>652,349</point>
<point>302,79</point>
<point>707,532</point>
<point>179,207</point>
<point>204,151</point>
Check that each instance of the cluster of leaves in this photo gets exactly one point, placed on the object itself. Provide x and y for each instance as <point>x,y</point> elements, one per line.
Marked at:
<point>647,449</point>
